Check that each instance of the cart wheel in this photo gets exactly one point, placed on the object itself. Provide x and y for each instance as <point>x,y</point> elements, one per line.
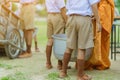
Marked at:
<point>22,44</point>
<point>14,37</point>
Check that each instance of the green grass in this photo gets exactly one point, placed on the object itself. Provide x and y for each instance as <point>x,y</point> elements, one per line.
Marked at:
<point>6,66</point>
<point>41,35</point>
<point>42,13</point>
<point>55,76</point>
<point>16,76</point>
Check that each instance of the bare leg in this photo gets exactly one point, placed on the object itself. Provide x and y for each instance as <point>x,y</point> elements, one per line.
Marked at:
<point>28,39</point>
<point>59,64</point>
<point>36,44</point>
<point>48,53</point>
<point>66,59</point>
<point>80,65</point>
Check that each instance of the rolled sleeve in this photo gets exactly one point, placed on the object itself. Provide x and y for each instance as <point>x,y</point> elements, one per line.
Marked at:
<point>93,1</point>
<point>60,3</point>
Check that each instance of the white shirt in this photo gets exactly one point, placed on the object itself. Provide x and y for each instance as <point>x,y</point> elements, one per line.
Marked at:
<point>82,7</point>
<point>26,1</point>
<point>54,5</point>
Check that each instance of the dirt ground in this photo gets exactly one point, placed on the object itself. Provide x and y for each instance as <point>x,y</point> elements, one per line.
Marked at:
<point>33,68</point>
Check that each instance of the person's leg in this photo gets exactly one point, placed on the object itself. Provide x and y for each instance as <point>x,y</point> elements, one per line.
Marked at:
<point>48,53</point>
<point>36,44</point>
<point>28,39</point>
<point>28,25</point>
<point>76,65</point>
<point>80,62</point>
<point>59,64</point>
<point>88,53</point>
<point>66,59</point>
<point>80,65</point>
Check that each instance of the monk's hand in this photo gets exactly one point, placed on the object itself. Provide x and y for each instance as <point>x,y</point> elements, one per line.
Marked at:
<point>99,27</point>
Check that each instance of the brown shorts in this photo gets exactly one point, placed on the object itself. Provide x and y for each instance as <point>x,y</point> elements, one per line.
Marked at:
<point>79,32</point>
<point>55,24</point>
<point>27,15</point>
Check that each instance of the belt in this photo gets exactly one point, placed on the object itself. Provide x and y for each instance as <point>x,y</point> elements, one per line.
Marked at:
<point>79,15</point>
<point>27,3</point>
<point>53,12</point>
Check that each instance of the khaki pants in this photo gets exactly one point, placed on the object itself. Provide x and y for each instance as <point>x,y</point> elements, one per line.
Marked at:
<point>55,24</point>
<point>79,32</point>
<point>27,15</point>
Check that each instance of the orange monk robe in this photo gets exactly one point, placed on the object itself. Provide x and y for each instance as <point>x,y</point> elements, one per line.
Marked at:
<point>100,56</point>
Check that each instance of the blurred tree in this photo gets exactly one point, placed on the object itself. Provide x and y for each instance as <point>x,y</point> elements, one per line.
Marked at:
<point>117,4</point>
<point>41,1</point>
<point>42,12</point>
<point>14,7</point>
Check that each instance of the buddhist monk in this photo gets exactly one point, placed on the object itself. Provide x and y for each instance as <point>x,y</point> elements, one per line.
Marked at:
<point>100,56</point>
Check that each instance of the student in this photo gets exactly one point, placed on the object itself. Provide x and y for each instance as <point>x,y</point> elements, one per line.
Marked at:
<point>27,15</point>
<point>80,33</point>
<point>55,25</point>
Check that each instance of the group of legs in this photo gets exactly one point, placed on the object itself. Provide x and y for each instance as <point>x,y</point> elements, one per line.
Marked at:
<point>48,56</point>
<point>63,65</point>
<point>79,64</point>
<point>74,41</point>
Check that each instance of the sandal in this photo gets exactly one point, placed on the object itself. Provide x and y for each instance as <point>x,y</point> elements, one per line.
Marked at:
<point>25,55</point>
<point>85,77</point>
<point>37,50</point>
<point>49,66</point>
<point>62,74</point>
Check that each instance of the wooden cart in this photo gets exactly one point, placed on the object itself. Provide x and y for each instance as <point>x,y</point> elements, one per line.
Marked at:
<point>11,36</point>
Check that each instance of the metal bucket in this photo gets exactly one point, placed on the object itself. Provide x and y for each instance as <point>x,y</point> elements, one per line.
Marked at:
<point>59,47</point>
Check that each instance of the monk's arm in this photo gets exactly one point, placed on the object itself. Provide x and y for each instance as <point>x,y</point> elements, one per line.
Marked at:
<point>96,15</point>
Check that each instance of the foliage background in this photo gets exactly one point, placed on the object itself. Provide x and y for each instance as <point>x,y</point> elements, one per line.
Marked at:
<point>117,4</point>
